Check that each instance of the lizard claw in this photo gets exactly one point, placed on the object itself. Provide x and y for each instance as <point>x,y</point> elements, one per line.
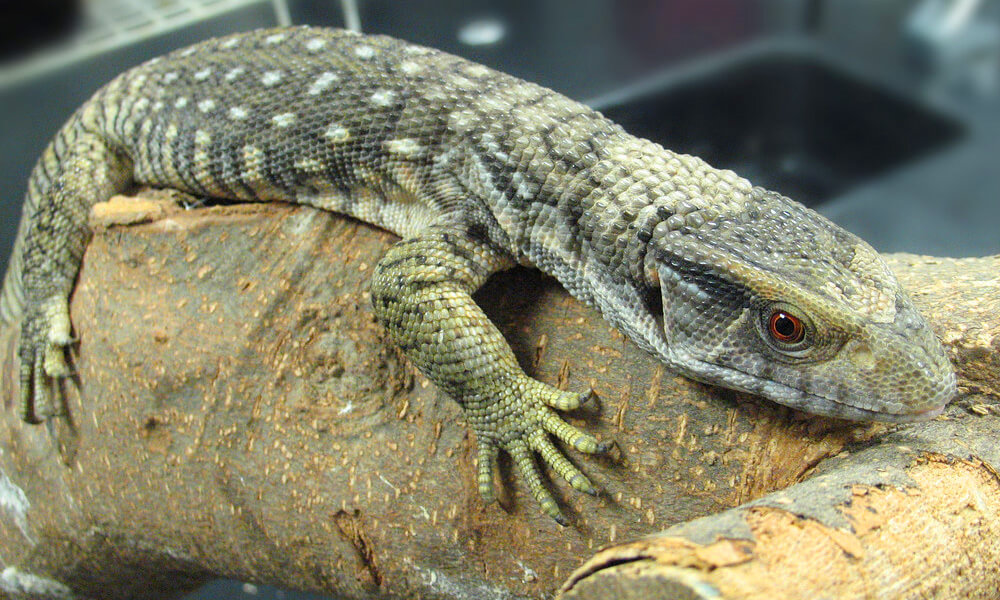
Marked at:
<point>561,400</point>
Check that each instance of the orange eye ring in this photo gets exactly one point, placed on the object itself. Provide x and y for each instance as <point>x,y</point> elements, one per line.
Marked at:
<point>785,328</point>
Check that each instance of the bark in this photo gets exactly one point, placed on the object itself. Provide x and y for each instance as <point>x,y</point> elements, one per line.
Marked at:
<point>239,413</point>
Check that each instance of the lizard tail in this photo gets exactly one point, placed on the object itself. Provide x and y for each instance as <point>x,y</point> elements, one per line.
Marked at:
<point>12,300</point>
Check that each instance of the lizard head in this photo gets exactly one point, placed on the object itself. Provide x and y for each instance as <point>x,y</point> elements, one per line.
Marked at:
<point>774,299</point>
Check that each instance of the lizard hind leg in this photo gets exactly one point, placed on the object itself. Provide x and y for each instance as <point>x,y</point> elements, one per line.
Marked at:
<point>77,170</point>
<point>421,293</point>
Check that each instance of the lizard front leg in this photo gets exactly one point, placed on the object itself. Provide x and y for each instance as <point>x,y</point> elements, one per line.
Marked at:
<point>421,291</point>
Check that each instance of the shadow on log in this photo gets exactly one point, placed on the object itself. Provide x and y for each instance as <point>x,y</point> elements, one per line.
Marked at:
<point>239,413</point>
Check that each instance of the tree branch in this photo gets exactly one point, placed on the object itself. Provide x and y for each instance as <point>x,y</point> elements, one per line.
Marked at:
<point>239,413</point>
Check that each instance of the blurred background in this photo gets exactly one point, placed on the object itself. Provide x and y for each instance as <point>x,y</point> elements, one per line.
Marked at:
<point>882,114</point>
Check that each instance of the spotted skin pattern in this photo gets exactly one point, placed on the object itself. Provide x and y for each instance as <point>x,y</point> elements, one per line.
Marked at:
<point>478,171</point>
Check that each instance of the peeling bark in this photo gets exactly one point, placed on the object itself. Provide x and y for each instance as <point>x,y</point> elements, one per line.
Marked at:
<point>239,413</point>
<point>936,537</point>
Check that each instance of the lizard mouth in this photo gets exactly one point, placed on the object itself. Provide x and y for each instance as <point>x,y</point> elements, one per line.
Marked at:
<point>829,407</point>
<point>816,404</point>
<point>853,413</point>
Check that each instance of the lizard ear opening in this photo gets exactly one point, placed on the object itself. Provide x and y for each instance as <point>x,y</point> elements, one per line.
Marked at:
<point>653,299</point>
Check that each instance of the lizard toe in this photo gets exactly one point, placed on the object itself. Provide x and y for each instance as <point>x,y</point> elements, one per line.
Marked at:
<point>580,440</point>
<point>29,375</point>
<point>561,400</point>
<point>540,443</point>
<point>45,337</point>
<point>54,362</point>
<point>528,470</point>
<point>486,460</point>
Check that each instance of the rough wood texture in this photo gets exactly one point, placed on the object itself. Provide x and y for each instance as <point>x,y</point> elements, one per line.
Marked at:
<point>243,416</point>
<point>935,535</point>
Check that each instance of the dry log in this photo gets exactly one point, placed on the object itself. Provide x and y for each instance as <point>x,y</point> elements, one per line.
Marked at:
<point>239,413</point>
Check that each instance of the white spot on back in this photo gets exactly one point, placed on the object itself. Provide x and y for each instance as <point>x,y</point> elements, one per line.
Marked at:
<point>461,120</point>
<point>188,51</point>
<point>275,39</point>
<point>170,77</point>
<point>230,43</point>
<point>309,165</point>
<point>181,102</point>
<point>404,146</point>
<point>206,105</point>
<point>463,83</point>
<point>234,73</point>
<point>315,44</point>
<point>383,98</point>
<point>137,82</point>
<point>237,113</point>
<point>203,74</point>
<point>435,95</point>
<point>283,120</point>
<point>364,52</point>
<point>416,50</point>
<point>270,78</point>
<point>322,83</point>
<point>202,139</point>
<point>337,133</point>
<point>477,70</point>
<point>408,67</point>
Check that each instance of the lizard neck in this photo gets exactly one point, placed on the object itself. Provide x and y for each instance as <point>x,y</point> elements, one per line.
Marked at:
<point>594,232</point>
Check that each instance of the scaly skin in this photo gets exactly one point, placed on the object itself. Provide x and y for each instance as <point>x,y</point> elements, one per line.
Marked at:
<point>477,171</point>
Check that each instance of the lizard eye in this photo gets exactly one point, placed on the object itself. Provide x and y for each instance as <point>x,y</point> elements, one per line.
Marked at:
<point>785,328</point>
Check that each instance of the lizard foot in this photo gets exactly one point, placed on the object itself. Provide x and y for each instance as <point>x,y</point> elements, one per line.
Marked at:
<point>45,338</point>
<point>523,428</point>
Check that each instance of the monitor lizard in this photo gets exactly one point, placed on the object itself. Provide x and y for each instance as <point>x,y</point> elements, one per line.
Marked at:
<point>478,171</point>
